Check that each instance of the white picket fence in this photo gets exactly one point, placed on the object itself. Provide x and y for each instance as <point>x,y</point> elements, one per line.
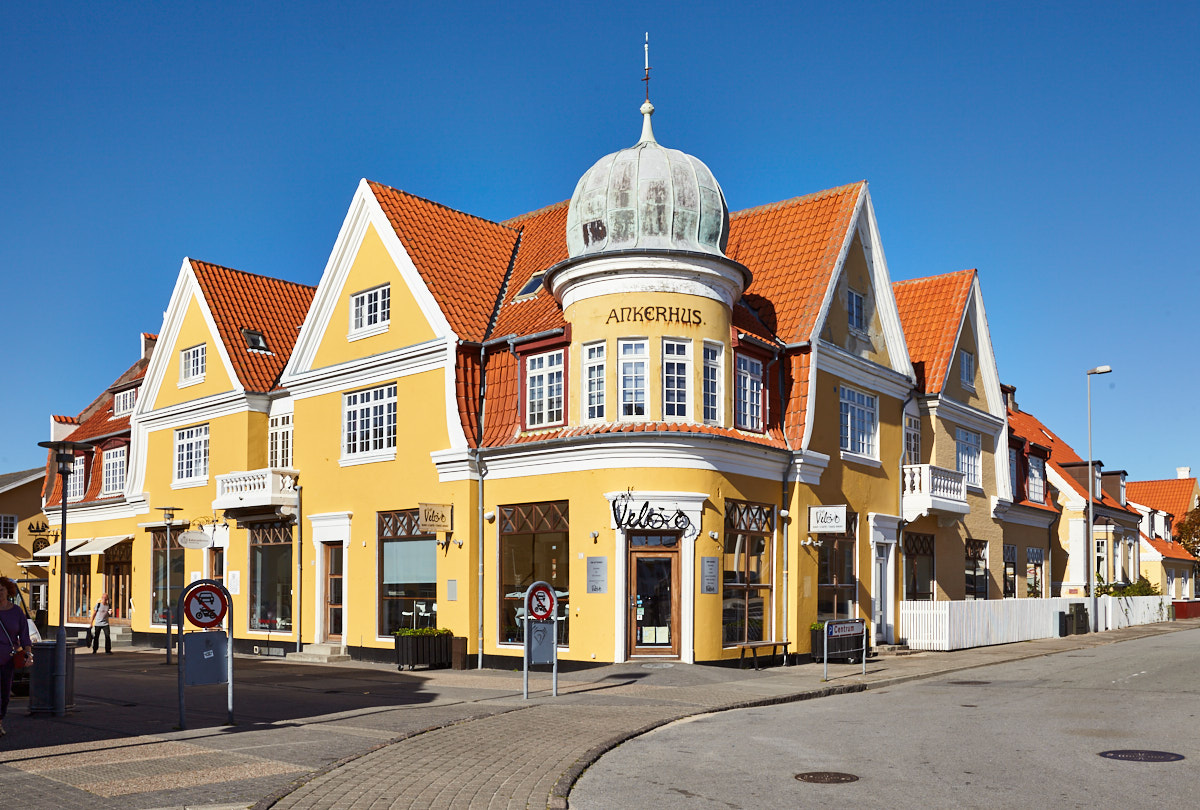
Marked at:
<point>979,623</point>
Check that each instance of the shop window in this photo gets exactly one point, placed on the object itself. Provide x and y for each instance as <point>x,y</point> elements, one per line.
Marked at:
<point>858,421</point>
<point>192,362</point>
<point>370,424</point>
<point>967,455</point>
<point>677,375</point>
<point>533,547</point>
<point>191,455</point>
<point>634,362</point>
<point>749,393</point>
<point>370,311</point>
<point>407,573</point>
<point>279,442</point>
<point>918,567</point>
<point>976,569</point>
<point>1034,558</point>
<point>78,589</point>
<point>271,576</point>
<point>746,572</point>
<point>114,470</point>
<point>544,389</point>
<point>594,374</point>
<point>1037,480</point>
<point>836,584</point>
<point>1010,571</point>
<point>712,383</point>
<point>166,565</point>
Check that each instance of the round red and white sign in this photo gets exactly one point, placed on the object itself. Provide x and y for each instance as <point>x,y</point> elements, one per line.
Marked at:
<point>205,606</point>
<point>541,601</point>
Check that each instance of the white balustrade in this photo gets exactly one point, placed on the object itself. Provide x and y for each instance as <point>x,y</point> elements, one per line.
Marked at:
<point>271,486</point>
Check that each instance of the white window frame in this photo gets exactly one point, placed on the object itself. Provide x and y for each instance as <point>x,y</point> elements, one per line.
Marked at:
<point>859,422</point>
<point>912,439</point>
<point>713,378</point>
<point>966,368</point>
<point>968,456</point>
<point>856,310</point>
<point>191,456</point>
<point>370,312</point>
<point>593,397</point>
<point>8,528</point>
<point>1014,459</point>
<point>77,482</point>
<point>544,401</point>
<point>633,380</point>
<point>677,379</point>
<point>748,393</point>
<point>373,412</point>
<point>114,470</point>
<point>193,364</point>
<point>1035,484</point>
<point>123,401</point>
<point>279,441</point>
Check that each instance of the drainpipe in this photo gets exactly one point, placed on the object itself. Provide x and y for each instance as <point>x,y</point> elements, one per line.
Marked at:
<point>900,501</point>
<point>299,567</point>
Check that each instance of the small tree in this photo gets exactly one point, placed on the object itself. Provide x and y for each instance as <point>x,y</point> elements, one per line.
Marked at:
<point>1187,532</point>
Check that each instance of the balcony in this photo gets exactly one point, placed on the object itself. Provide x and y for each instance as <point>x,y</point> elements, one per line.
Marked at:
<point>927,489</point>
<point>266,489</point>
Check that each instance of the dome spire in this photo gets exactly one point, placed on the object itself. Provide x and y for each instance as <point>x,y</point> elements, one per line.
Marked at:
<point>647,108</point>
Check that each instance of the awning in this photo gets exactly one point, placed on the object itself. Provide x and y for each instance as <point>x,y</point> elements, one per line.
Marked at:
<point>31,563</point>
<point>97,545</point>
<point>55,548</point>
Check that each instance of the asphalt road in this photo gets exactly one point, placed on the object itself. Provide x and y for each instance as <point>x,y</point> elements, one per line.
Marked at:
<point>1023,734</point>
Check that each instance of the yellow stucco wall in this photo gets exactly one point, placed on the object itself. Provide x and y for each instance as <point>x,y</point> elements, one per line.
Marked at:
<point>193,332</point>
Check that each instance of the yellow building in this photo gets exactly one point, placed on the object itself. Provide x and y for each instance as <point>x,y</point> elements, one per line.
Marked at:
<point>22,532</point>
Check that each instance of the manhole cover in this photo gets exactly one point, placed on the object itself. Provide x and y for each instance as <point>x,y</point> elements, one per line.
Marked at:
<point>657,666</point>
<point>826,777</point>
<point>1142,756</point>
<point>969,683</point>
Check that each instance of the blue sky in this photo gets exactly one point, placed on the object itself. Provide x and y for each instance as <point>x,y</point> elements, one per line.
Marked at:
<point>1050,145</point>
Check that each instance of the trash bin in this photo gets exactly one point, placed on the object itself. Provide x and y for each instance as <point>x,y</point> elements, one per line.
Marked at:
<point>41,679</point>
<point>1064,624</point>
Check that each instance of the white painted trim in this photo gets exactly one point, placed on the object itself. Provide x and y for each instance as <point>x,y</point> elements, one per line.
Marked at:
<point>621,275</point>
<point>885,529</point>
<point>859,458</point>
<point>807,467</point>
<point>956,413</point>
<point>876,379</point>
<point>367,371</point>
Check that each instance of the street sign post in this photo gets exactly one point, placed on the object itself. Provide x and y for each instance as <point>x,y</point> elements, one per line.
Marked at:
<point>541,630</point>
<point>845,628</point>
<point>205,603</point>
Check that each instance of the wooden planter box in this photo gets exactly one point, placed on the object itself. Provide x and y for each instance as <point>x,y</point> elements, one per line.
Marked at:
<point>425,651</point>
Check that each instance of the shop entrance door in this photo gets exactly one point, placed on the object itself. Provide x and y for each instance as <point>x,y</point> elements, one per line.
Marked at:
<point>879,612</point>
<point>653,595</point>
<point>333,591</point>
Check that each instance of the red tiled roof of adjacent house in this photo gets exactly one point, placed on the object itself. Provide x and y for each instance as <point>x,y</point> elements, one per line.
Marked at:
<point>270,306</point>
<point>463,259</point>
<point>543,245</point>
<point>1031,428</point>
<point>1168,549</point>
<point>791,248</point>
<point>1174,495</point>
<point>931,311</point>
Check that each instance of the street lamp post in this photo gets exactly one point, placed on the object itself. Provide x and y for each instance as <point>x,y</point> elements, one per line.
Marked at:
<point>64,456</point>
<point>1091,488</point>
<point>168,516</point>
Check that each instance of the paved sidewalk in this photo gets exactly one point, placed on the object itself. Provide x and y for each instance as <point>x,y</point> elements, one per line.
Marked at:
<point>355,735</point>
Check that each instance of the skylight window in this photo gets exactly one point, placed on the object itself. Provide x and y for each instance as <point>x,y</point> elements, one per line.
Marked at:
<point>532,286</point>
<point>255,341</point>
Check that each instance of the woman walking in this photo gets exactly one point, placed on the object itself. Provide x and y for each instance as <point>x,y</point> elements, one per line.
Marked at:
<point>14,637</point>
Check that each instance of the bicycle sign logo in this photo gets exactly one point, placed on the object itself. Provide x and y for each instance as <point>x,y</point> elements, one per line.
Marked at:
<point>205,606</point>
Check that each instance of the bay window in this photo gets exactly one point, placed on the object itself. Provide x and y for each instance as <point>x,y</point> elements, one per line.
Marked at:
<point>635,359</point>
<point>712,383</point>
<point>677,375</point>
<point>594,374</point>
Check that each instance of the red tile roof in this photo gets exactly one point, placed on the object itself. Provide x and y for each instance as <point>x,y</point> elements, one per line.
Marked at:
<point>931,311</point>
<point>543,245</point>
<point>1174,495</point>
<point>791,248</point>
<point>262,304</point>
<point>463,259</point>
<point>1169,550</point>
<point>1032,429</point>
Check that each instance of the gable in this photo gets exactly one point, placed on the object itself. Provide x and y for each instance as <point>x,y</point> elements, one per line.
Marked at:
<point>855,288</point>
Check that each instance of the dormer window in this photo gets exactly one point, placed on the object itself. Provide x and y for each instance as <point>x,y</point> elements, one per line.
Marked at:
<point>966,369</point>
<point>370,311</point>
<point>192,365</point>
<point>749,393</point>
<point>123,401</point>
<point>77,481</point>
<point>855,310</point>
<point>255,341</point>
<point>544,389</point>
<point>1037,480</point>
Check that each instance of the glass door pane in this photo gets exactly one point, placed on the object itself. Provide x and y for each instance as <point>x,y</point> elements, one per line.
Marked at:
<point>652,609</point>
<point>333,590</point>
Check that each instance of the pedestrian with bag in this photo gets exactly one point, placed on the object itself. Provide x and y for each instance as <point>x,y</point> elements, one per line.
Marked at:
<point>16,650</point>
<point>100,622</point>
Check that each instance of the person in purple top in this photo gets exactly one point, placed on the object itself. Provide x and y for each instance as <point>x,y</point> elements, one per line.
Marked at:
<point>15,637</point>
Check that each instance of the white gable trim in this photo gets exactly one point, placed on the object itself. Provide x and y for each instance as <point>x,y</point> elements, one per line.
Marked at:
<point>364,211</point>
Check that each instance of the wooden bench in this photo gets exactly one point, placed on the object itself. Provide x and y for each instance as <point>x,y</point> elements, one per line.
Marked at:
<point>755,646</point>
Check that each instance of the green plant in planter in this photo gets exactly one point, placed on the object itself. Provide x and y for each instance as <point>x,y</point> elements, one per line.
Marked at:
<point>817,626</point>
<point>424,631</point>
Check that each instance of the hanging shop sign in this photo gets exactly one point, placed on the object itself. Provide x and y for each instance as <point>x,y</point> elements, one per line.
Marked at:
<point>827,519</point>
<point>194,539</point>
<point>435,517</point>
